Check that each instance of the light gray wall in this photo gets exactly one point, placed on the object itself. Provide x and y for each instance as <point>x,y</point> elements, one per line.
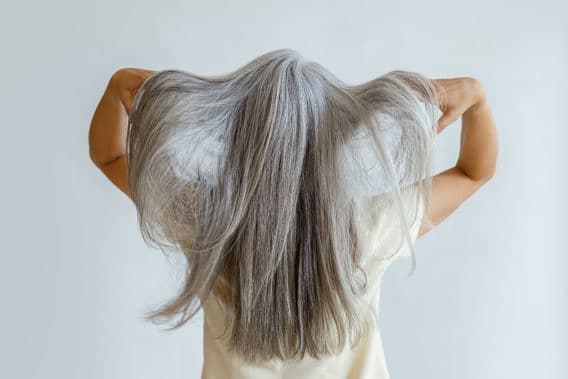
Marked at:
<point>489,298</point>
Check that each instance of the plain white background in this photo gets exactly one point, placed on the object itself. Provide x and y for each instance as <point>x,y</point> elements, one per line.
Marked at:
<point>489,298</point>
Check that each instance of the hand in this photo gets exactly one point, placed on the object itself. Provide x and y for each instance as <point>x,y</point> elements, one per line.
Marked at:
<point>127,81</point>
<point>456,96</point>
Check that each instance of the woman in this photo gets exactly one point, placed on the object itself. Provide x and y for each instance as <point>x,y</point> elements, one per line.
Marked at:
<point>289,193</point>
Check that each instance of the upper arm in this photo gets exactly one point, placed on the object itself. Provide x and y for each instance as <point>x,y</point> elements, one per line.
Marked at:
<point>450,188</point>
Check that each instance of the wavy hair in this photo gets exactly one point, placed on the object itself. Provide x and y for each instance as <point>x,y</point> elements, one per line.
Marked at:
<point>257,177</point>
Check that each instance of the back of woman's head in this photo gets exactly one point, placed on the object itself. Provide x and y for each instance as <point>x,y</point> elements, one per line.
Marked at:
<point>256,177</point>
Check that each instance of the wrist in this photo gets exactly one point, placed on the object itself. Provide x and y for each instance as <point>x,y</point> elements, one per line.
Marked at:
<point>479,101</point>
<point>126,82</point>
<point>481,105</point>
<point>116,81</point>
<point>120,85</point>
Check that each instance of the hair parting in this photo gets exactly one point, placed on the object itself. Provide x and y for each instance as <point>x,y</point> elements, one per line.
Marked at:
<point>261,176</point>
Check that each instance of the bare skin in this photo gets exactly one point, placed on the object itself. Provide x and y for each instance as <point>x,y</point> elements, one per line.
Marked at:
<point>477,159</point>
<point>107,134</point>
<point>464,97</point>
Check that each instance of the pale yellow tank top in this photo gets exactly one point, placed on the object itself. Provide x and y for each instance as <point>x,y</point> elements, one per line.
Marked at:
<point>365,361</point>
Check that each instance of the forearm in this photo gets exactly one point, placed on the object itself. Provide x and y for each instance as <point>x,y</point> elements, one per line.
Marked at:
<point>479,142</point>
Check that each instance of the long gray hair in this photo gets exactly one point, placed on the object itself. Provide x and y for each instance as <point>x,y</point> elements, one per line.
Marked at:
<point>257,177</point>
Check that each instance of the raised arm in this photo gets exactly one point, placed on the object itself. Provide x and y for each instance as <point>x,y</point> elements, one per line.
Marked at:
<point>107,133</point>
<point>477,159</point>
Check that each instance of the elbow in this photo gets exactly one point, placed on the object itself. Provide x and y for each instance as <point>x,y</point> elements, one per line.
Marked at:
<point>97,162</point>
<point>92,155</point>
<point>490,174</point>
<point>101,162</point>
<point>96,158</point>
<point>480,178</point>
<point>486,177</point>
